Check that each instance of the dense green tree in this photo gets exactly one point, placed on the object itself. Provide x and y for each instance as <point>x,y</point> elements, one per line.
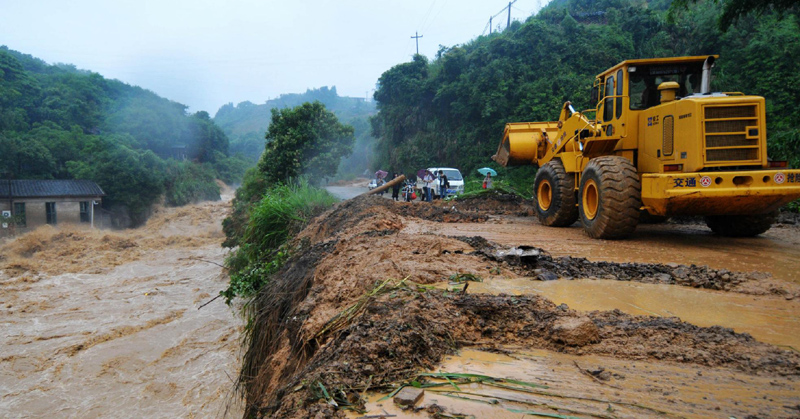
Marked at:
<point>130,179</point>
<point>305,140</point>
<point>733,10</point>
<point>26,158</point>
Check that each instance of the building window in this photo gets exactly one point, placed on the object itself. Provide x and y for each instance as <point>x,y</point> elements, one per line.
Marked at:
<point>19,214</point>
<point>85,214</point>
<point>50,209</point>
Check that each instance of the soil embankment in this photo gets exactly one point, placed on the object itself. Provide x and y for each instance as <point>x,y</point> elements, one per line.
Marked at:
<point>106,324</point>
<point>376,297</point>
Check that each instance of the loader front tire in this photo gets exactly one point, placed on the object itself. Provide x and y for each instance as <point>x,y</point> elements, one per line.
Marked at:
<point>610,198</point>
<point>741,225</point>
<point>554,189</point>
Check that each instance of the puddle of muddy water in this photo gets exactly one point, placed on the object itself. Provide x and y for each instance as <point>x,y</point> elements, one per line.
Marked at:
<point>626,389</point>
<point>769,319</point>
<point>777,251</point>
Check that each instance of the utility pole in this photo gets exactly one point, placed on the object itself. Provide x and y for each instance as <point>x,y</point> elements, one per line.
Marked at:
<point>509,15</point>
<point>416,38</point>
<point>490,26</point>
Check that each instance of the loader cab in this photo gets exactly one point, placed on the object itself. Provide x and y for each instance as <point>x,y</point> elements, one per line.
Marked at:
<point>609,94</point>
<point>626,95</point>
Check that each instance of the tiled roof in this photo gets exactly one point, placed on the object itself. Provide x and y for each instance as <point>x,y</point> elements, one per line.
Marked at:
<point>45,188</point>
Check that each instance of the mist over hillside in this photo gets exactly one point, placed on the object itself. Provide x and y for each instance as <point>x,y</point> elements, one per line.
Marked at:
<point>246,123</point>
<point>59,122</point>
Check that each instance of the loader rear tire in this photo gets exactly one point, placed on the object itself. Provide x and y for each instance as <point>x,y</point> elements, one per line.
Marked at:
<point>610,198</point>
<point>741,225</point>
<point>554,189</point>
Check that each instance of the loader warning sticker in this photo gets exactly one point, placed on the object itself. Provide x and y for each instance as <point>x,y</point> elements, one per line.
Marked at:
<point>779,178</point>
<point>705,181</point>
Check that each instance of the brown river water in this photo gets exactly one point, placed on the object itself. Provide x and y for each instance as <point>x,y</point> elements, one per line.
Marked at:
<point>123,339</point>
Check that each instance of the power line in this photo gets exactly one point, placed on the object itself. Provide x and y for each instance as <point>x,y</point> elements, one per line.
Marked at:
<point>444,4</point>
<point>511,3</point>
<point>425,19</point>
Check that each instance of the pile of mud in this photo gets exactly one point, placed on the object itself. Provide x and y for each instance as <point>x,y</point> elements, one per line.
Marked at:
<point>494,202</point>
<point>369,213</point>
<point>70,248</point>
<point>351,312</point>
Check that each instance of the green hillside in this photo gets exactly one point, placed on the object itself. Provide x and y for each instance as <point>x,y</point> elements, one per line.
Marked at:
<point>59,122</point>
<point>246,123</point>
<point>451,110</point>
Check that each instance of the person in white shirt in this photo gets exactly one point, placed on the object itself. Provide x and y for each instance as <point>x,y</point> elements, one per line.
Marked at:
<point>428,179</point>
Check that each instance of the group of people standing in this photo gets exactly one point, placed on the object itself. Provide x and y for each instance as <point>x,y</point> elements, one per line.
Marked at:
<point>429,183</point>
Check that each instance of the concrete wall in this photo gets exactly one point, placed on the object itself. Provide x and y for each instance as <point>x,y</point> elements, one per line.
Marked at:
<point>68,211</point>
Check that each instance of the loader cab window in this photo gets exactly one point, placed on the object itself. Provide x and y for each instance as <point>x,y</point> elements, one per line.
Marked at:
<point>619,93</point>
<point>643,82</point>
<point>608,103</point>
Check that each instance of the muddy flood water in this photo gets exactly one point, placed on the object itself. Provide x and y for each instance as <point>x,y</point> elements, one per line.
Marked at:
<point>118,332</point>
<point>769,319</point>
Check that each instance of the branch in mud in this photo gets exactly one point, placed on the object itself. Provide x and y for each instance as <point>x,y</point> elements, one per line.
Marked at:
<point>209,301</point>
<point>204,260</point>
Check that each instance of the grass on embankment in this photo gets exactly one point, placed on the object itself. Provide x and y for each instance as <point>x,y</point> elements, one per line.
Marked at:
<point>273,221</point>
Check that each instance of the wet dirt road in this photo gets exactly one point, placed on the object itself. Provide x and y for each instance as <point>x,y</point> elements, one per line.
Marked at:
<point>776,252</point>
<point>770,318</point>
<point>122,339</point>
<point>352,190</point>
<point>618,389</point>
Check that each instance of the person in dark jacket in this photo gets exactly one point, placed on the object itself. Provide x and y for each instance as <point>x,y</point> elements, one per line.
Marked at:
<point>396,189</point>
<point>443,185</point>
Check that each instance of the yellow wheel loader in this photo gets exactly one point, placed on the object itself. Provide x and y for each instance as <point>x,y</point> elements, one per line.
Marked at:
<point>658,143</point>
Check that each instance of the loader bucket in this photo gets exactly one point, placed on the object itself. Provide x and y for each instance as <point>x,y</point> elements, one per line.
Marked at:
<point>523,143</point>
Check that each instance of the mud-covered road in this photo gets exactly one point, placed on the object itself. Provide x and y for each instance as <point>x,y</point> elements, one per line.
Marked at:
<point>106,324</point>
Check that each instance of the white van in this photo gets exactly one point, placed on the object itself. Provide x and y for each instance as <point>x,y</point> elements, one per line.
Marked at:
<point>453,177</point>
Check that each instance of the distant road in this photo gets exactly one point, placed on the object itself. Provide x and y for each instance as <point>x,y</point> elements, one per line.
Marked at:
<point>347,192</point>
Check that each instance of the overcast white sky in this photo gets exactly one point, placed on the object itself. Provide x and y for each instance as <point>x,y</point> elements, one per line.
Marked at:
<point>207,53</point>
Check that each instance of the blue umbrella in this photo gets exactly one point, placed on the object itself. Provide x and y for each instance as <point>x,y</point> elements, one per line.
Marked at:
<point>485,170</point>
